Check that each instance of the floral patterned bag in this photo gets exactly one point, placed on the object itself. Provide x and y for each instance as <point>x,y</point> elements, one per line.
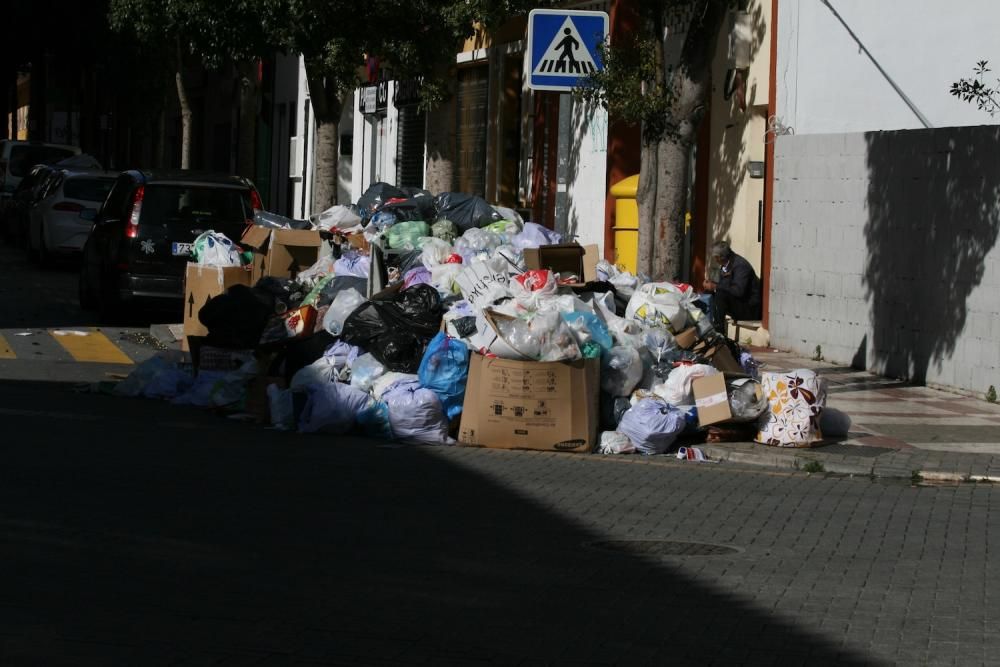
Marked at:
<point>796,399</point>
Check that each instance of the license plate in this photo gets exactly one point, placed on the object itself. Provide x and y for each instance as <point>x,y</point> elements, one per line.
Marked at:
<point>181,249</point>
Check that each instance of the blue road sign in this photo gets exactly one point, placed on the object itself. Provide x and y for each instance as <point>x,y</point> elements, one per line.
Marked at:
<point>562,47</point>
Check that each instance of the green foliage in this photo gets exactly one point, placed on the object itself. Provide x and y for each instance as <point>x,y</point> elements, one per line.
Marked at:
<point>975,91</point>
<point>630,86</point>
<point>813,467</point>
<point>991,394</point>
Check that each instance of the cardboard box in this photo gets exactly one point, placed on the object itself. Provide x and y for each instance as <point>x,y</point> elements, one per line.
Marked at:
<point>550,406</point>
<point>201,283</point>
<point>565,258</point>
<point>282,253</point>
<point>711,400</point>
<point>687,338</point>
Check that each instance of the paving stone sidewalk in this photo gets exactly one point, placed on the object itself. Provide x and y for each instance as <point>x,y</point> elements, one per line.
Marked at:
<point>897,430</point>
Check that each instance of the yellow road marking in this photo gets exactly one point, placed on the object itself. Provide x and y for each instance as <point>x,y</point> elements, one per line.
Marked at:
<point>94,347</point>
<point>5,351</point>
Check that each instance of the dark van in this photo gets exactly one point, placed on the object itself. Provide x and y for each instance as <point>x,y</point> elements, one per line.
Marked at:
<point>143,234</point>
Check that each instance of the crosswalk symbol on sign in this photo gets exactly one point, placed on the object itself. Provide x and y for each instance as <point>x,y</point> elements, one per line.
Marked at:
<point>562,49</point>
<point>566,54</point>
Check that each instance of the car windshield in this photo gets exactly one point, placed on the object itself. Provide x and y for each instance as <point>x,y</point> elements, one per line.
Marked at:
<point>194,204</point>
<point>24,157</point>
<point>88,189</point>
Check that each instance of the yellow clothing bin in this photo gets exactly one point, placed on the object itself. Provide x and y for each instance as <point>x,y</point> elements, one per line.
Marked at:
<point>626,229</point>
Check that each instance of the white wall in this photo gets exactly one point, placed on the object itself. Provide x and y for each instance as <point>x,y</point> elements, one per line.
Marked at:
<point>885,252</point>
<point>826,84</point>
<point>581,172</point>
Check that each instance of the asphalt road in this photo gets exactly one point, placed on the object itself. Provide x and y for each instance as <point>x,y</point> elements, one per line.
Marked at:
<point>139,533</point>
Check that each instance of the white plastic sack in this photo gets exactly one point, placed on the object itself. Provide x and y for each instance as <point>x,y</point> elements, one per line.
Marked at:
<point>386,382</point>
<point>542,336</point>
<point>626,333</point>
<point>415,414</point>
<point>352,263</point>
<point>509,214</point>
<point>331,408</point>
<point>434,251</point>
<point>532,288</point>
<point>364,371</point>
<point>214,249</point>
<point>652,425</point>
<point>337,217</point>
<point>321,371</point>
<point>323,267</point>
<point>484,281</point>
<point>660,305</point>
<point>534,235</point>
<point>613,442</point>
<point>345,303</point>
<point>677,389</point>
<point>282,410</point>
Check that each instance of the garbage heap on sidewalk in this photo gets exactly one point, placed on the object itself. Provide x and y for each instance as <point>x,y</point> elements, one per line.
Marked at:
<point>443,320</point>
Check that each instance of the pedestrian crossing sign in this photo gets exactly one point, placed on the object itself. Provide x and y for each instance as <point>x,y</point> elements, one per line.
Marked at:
<point>563,47</point>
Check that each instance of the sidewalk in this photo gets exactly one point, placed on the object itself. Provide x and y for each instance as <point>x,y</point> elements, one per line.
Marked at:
<point>897,430</point>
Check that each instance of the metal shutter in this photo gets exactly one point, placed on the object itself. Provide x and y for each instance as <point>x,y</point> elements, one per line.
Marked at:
<point>410,147</point>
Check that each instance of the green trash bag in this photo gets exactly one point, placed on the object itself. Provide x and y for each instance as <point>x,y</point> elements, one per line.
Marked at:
<point>446,230</point>
<point>407,234</point>
<point>505,229</point>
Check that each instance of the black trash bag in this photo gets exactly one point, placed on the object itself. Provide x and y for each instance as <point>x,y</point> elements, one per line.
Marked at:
<point>377,195</point>
<point>466,211</point>
<point>237,318</point>
<point>414,208</point>
<point>612,409</point>
<point>396,330</point>
<point>337,285</point>
<point>287,293</point>
<point>412,191</point>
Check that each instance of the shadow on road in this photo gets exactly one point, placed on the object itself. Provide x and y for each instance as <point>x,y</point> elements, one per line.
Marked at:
<point>161,533</point>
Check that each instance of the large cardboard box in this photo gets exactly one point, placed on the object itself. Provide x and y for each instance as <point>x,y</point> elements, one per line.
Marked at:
<point>201,283</point>
<point>282,253</point>
<point>565,258</point>
<point>549,406</point>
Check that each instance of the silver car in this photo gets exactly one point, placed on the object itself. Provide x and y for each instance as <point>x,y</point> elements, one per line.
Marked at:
<point>62,219</point>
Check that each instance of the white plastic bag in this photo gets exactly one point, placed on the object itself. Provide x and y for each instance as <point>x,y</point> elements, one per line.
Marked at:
<point>652,425</point>
<point>323,267</point>
<point>352,263</point>
<point>337,217</point>
<point>214,249</point>
<point>415,414</point>
<point>364,371</point>
<point>345,303</point>
<point>534,235</point>
<point>531,288</point>
<point>282,410</point>
<point>660,305</point>
<point>613,442</point>
<point>331,408</point>
<point>677,389</point>
<point>434,251</point>
<point>384,383</point>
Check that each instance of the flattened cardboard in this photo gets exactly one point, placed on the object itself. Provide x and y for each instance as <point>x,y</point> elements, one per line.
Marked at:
<point>711,400</point>
<point>687,338</point>
<point>551,406</point>
<point>201,283</point>
<point>565,258</point>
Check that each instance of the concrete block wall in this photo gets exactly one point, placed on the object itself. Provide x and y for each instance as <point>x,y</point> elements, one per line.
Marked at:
<point>884,252</point>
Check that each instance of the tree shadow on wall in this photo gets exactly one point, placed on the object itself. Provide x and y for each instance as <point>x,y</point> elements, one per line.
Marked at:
<point>727,142</point>
<point>933,217</point>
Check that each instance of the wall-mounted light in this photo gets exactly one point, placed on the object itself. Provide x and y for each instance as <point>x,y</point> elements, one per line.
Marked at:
<point>756,169</point>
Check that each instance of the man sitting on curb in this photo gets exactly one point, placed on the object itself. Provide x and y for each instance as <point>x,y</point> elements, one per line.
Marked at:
<point>738,291</point>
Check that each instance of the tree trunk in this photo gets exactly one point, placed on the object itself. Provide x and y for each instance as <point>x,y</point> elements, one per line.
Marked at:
<point>185,104</point>
<point>439,172</point>
<point>664,170</point>
<point>327,104</point>
<point>247,151</point>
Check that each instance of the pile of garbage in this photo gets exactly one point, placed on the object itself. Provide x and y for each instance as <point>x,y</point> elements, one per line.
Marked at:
<point>443,319</point>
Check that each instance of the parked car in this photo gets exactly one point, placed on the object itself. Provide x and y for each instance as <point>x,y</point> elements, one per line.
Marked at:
<point>143,234</point>
<point>18,157</point>
<point>25,195</point>
<point>64,214</point>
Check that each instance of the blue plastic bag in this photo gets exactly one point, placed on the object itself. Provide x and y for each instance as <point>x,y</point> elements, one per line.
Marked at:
<point>444,370</point>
